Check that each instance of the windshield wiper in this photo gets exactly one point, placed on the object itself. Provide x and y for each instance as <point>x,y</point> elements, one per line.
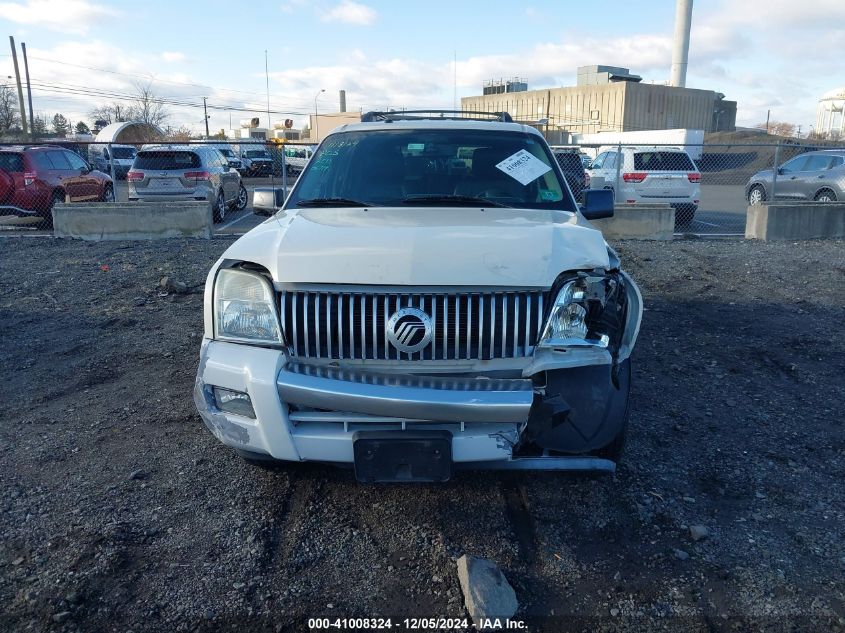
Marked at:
<point>452,199</point>
<point>331,202</point>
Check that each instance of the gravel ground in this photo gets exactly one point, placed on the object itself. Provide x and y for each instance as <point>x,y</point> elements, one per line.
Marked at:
<point>120,512</point>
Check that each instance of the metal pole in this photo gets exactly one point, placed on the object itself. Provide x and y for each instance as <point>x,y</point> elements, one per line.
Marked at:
<point>284,172</point>
<point>768,113</point>
<point>111,164</point>
<point>269,124</point>
<point>316,117</point>
<point>775,169</point>
<point>20,90</point>
<point>618,169</point>
<point>28,90</point>
<point>205,112</point>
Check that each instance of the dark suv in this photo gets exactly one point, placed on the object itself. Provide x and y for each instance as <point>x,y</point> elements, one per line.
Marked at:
<point>33,179</point>
<point>573,171</point>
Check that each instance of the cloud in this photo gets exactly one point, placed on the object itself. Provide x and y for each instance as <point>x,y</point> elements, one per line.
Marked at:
<point>69,16</point>
<point>174,56</point>
<point>351,13</point>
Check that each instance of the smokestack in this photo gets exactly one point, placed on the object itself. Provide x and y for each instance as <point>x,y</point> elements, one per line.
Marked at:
<point>680,46</point>
<point>343,100</point>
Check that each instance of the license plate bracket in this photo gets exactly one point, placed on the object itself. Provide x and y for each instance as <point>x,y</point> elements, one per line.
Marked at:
<point>402,456</point>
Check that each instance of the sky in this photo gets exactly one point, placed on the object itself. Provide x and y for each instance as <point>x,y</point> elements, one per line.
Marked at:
<point>777,55</point>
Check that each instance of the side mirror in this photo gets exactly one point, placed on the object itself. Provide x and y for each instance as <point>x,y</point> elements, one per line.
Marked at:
<point>598,203</point>
<point>780,171</point>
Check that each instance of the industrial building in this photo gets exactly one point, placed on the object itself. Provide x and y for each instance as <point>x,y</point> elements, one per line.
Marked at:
<point>611,99</point>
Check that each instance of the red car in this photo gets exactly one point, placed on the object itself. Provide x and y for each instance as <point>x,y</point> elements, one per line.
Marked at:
<point>34,178</point>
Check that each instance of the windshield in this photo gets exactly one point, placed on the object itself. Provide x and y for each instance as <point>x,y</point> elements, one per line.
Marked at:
<point>123,152</point>
<point>421,167</point>
<point>257,154</point>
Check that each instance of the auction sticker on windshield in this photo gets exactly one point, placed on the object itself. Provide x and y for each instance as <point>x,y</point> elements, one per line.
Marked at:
<point>523,167</point>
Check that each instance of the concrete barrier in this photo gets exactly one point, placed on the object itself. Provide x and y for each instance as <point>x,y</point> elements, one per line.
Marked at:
<point>638,222</point>
<point>795,221</point>
<point>97,221</point>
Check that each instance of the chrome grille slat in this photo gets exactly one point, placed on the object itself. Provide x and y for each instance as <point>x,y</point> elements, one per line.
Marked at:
<point>466,325</point>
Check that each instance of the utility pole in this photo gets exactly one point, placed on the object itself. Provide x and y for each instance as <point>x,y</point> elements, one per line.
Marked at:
<point>768,114</point>
<point>205,112</point>
<point>18,78</point>
<point>28,93</point>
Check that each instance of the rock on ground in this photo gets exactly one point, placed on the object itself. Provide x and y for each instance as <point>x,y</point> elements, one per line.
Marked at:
<point>487,593</point>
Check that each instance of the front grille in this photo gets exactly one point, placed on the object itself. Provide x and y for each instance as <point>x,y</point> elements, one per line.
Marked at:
<point>465,325</point>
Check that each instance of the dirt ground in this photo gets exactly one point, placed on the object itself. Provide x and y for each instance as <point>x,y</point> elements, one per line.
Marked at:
<point>120,512</point>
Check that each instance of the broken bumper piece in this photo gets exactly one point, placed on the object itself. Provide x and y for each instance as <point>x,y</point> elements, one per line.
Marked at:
<point>310,413</point>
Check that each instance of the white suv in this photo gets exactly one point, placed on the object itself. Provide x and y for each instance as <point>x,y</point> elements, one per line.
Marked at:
<point>429,297</point>
<point>651,174</point>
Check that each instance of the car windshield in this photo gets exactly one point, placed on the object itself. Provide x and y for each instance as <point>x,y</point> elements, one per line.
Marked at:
<point>123,152</point>
<point>425,167</point>
<point>166,159</point>
<point>257,154</point>
<point>663,161</point>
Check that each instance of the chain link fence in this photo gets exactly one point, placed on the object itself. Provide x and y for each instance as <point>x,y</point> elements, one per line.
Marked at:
<point>709,185</point>
<point>34,177</point>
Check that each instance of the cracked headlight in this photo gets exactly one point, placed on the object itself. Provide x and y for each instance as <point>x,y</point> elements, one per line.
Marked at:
<point>576,318</point>
<point>245,308</point>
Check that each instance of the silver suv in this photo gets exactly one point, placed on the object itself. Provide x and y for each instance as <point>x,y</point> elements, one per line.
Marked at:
<point>174,172</point>
<point>818,176</point>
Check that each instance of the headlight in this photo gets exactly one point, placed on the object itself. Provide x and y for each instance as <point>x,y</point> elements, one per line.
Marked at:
<point>576,318</point>
<point>245,308</point>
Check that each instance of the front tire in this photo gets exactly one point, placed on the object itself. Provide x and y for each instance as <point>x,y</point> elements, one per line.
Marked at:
<point>219,208</point>
<point>756,195</point>
<point>108,194</point>
<point>825,195</point>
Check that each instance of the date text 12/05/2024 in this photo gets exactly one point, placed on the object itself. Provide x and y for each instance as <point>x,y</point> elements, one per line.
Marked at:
<point>413,624</point>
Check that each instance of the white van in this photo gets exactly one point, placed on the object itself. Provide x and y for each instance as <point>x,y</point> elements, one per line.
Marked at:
<point>297,156</point>
<point>102,156</point>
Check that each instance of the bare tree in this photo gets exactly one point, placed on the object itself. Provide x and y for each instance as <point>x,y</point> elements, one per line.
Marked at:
<point>9,118</point>
<point>148,108</point>
<point>113,112</point>
<point>779,128</point>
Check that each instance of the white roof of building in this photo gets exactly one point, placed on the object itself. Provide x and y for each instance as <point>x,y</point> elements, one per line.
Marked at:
<point>128,132</point>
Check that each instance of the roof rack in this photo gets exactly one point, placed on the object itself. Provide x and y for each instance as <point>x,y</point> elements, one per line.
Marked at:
<point>449,115</point>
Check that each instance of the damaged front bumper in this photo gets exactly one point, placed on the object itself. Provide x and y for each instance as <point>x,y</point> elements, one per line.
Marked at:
<point>554,412</point>
<point>311,413</point>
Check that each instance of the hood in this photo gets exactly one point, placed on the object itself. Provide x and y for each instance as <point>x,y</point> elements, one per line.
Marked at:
<point>423,247</point>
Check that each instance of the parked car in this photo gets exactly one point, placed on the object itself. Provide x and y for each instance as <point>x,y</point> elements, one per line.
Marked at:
<point>818,176</point>
<point>33,179</point>
<point>297,156</point>
<point>430,297</point>
<point>102,157</point>
<point>173,172</point>
<point>652,174</point>
<point>256,161</point>
<point>231,158</point>
<point>573,171</point>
